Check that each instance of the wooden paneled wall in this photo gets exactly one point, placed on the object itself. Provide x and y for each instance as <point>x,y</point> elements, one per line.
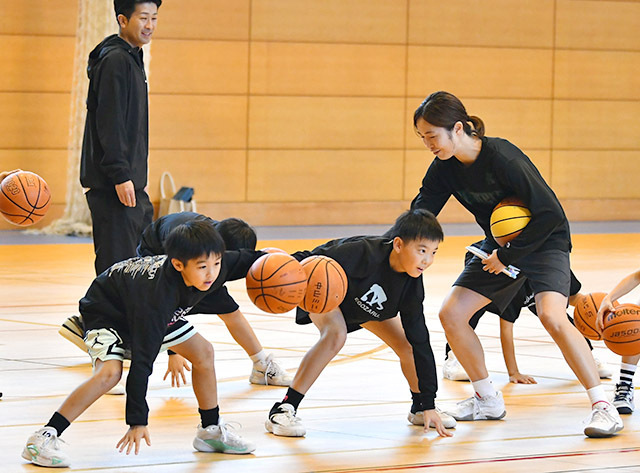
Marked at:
<point>299,111</point>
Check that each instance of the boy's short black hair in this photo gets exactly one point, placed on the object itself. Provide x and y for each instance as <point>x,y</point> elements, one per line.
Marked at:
<point>192,240</point>
<point>127,7</point>
<point>237,234</point>
<point>416,224</point>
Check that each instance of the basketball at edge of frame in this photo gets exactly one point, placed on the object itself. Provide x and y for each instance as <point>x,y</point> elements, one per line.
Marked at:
<point>24,198</point>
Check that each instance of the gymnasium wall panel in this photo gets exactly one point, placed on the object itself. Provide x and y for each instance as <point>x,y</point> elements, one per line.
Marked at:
<point>326,123</point>
<point>316,175</point>
<point>503,23</point>
<point>342,21</point>
<point>39,17</point>
<point>580,175</point>
<point>597,25</point>
<point>34,121</point>
<point>595,125</point>
<point>208,20</point>
<point>197,121</point>
<point>38,63</point>
<point>199,67</point>
<point>216,175</point>
<point>609,75</point>
<point>480,72</point>
<point>327,69</point>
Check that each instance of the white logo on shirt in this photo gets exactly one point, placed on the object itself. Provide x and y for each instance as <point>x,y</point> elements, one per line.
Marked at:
<point>377,296</point>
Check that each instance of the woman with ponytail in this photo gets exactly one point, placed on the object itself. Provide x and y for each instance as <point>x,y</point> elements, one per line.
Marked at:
<point>479,172</point>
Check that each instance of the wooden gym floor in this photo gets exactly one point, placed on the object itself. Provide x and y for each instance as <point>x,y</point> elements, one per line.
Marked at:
<point>355,414</point>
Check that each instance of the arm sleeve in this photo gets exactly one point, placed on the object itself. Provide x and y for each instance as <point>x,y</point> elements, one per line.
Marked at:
<point>111,94</point>
<point>415,328</point>
<point>546,213</point>
<point>238,262</point>
<point>433,194</point>
<point>146,339</point>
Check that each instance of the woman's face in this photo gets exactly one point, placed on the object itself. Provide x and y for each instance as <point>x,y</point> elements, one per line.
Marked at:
<point>438,140</point>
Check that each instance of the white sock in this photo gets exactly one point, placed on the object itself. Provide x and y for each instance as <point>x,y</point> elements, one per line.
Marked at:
<point>597,394</point>
<point>260,357</point>
<point>484,387</point>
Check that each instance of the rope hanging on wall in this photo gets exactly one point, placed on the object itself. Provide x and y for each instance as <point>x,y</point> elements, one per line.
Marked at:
<point>96,20</point>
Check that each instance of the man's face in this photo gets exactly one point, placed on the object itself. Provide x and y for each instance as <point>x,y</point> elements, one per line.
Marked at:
<point>138,29</point>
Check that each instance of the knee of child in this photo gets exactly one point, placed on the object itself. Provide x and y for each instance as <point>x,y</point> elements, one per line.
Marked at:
<point>205,356</point>
<point>334,340</point>
<point>450,320</point>
<point>108,376</point>
<point>553,325</point>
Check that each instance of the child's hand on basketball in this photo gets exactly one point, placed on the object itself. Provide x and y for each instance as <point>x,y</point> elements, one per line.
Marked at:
<point>519,378</point>
<point>134,437</point>
<point>493,263</point>
<point>177,365</point>
<point>605,307</point>
<point>4,174</point>
<point>431,417</point>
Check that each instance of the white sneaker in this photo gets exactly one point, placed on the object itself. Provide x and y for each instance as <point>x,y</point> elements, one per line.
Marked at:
<point>603,371</point>
<point>623,398</point>
<point>43,449</point>
<point>477,408</point>
<point>269,373</point>
<point>604,421</point>
<point>453,370</point>
<point>418,419</point>
<point>285,423</point>
<point>219,438</point>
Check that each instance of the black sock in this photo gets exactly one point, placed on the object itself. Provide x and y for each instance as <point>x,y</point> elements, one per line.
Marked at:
<point>416,404</point>
<point>292,397</point>
<point>209,416</point>
<point>58,422</point>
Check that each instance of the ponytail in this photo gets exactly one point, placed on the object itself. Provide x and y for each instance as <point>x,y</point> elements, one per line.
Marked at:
<point>444,110</point>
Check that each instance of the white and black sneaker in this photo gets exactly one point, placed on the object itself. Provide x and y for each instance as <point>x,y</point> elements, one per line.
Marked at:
<point>623,398</point>
<point>283,422</point>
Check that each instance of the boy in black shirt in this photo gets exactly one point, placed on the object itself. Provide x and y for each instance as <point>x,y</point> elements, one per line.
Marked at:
<point>130,306</point>
<point>384,278</point>
<point>479,172</point>
<point>237,234</point>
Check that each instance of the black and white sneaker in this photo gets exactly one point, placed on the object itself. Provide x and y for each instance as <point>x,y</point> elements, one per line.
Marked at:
<point>623,398</point>
<point>73,330</point>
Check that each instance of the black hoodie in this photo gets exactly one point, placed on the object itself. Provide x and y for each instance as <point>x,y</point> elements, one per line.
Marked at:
<point>116,134</point>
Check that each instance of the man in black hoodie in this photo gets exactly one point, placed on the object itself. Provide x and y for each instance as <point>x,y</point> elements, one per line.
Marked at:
<point>113,168</point>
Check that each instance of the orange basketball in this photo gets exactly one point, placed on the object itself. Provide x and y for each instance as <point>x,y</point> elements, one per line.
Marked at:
<point>508,219</point>
<point>326,284</point>
<point>276,283</point>
<point>24,198</point>
<point>621,332</point>
<point>586,310</point>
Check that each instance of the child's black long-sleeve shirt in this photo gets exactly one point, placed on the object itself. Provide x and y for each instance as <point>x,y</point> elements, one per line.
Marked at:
<point>376,292</point>
<point>138,298</point>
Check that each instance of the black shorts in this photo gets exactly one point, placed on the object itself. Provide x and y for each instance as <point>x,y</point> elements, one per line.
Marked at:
<point>302,318</point>
<point>546,270</point>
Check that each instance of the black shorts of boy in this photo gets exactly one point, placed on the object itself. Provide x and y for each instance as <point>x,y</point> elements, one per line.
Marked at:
<point>545,270</point>
<point>218,302</point>
<point>302,318</point>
